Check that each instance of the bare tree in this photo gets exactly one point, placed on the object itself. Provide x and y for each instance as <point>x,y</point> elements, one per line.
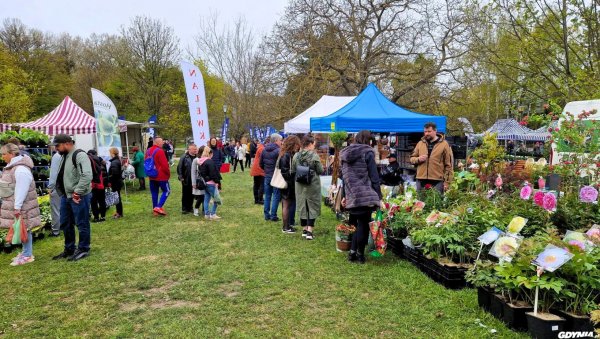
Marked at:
<point>153,48</point>
<point>232,52</point>
<point>351,43</point>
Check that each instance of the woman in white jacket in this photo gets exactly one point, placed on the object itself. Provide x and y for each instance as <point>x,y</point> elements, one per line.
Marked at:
<point>240,156</point>
<point>19,198</point>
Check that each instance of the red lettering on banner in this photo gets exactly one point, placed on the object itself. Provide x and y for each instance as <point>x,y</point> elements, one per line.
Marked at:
<point>201,123</point>
<point>197,98</point>
<point>192,72</point>
<point>198,110</point>
<point>194,86</point>
<point>202,136</point>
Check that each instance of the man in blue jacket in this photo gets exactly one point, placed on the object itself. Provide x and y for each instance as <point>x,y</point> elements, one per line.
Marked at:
<point>268,161</point>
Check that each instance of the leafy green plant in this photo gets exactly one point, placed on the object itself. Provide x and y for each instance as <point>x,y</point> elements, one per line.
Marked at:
<point>465,181</point>
<point>489,154</point>
<point>582,291</point>
<point>482,274</point>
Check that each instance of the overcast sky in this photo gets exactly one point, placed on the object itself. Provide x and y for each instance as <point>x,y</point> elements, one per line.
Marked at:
<point>83,17</point>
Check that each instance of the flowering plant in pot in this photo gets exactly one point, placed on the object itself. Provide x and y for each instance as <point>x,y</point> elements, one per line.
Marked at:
<point>343,236</point>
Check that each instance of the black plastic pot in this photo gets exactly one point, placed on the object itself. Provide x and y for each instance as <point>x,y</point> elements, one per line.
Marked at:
<point>8,248</point>
<point>542,328</point>
<point>576,323</point>
<point>514,316</point>
<point>497,306</point>
<point>484,296</point>
<point>413,255</point>
<point>396,246</point>
<point>451,277</point>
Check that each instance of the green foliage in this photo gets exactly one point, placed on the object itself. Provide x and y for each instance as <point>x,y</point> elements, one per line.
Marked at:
<point>489,154</point>
<point>582,272</point>
<point>465,181</point>
<point>15,101</point>
<point>338,138</point>
<point>571,214</point>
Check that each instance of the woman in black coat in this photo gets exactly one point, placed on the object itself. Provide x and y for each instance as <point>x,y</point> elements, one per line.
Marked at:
<point>115,179</point>
<point>290,146</point>
<point>212,179</point>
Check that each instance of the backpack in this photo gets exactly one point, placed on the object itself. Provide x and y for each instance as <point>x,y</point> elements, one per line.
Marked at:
<point>200,182</point>
<point>96,171</point>
<point>150,166</point>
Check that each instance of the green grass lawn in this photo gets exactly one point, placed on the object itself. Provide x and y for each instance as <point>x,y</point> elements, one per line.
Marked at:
<point>182,276</point>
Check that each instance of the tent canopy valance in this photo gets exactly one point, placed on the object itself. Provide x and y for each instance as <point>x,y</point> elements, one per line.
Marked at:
<point>67,118</point>
<point>324,106</point>
<point>371,110</point>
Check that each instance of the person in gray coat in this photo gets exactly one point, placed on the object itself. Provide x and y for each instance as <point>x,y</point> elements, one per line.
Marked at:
<point>54,196</point>
<point>308,197</point>
<point>362,191</point>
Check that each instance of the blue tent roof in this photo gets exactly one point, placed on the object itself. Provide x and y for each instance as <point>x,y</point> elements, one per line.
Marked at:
<point>372,111</point>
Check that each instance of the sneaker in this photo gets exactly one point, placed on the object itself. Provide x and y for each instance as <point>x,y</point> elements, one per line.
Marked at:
<point>96,220</point>
<point>361,259</point>
<point>216,217</point>
<point>78,255</point>
<point>52,234</point>
<point>63,255</point>
<point>304,232</point>
<point>276,219</point>
<point>207,217</point>
<point>22,261</point>
<point>352,257</point>
<point>102,219</point>
<point>309,236</point>
<point>159,210</point>
<point>196,212</point>
<point>117,216</point>
<point>19,255</point>
<point>290,230</point>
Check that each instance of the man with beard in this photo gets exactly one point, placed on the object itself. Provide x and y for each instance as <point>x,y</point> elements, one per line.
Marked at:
<point>433,158</point>
<point>74,185</point>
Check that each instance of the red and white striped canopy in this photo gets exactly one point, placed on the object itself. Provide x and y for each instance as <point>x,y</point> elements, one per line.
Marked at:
<point>67,118</point>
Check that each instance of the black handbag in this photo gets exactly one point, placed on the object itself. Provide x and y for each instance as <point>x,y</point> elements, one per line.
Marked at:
<point>200,182</point>
<point>304,174</point>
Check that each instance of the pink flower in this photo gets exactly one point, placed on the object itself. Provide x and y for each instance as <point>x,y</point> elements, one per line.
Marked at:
<point>588,194</point>
<point>549,202</point>
<point>577,243</point>
<point>418,206</point>
<point>538,198</point>
<point>594,234</point>
<point>526,191</point>
<point>541,183</point>
<point>556,129</point>
<point>499,181</point>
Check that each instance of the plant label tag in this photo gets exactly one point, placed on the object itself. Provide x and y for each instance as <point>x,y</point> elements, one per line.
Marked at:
<point>555,328</point>
<point>490,236</point>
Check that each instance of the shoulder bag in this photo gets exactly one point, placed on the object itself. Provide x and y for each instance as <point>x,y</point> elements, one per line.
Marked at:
<point>278,181</point>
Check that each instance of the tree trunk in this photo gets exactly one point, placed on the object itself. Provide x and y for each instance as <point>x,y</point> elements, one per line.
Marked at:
<point>336,166</point>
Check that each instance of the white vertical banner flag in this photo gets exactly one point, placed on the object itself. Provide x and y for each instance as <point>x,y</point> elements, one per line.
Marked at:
<point>194,86</point>
<point>108,133</point>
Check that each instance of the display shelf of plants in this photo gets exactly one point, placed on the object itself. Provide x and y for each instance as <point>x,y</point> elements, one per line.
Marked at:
<point>506,233</point>
<point>36,144</point>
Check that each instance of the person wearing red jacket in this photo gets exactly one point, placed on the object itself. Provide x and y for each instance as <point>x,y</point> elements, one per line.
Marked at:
<point>161,180</point>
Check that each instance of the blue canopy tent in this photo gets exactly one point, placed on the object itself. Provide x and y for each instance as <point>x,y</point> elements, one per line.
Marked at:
<point>372,111</point>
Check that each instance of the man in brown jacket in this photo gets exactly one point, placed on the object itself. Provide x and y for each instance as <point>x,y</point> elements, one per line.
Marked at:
<point>433,158</point>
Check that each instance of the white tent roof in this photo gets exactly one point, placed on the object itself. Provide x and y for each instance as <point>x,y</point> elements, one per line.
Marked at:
<point>577,107</point>
<point>323,107</point>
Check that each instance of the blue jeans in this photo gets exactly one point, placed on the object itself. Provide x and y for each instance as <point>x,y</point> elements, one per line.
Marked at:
<point>72,214</point>
<point>209,193</point>
<point>28,245</point>
<point>166,190</point>
<point>270,206</point>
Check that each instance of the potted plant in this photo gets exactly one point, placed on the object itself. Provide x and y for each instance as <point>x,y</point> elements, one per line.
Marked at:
<point>343,237</point>
<point>483,277</point>
<point>545,324</point>
<point>582,292</point>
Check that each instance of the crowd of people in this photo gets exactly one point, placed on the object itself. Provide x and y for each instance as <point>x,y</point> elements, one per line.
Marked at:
<point>285,171</point>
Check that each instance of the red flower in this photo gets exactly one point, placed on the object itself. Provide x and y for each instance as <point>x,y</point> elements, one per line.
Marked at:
<point>428,186</point>
<point>555,129</point>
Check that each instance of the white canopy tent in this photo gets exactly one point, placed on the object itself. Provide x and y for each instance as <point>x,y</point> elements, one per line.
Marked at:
<point>323,107</point>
